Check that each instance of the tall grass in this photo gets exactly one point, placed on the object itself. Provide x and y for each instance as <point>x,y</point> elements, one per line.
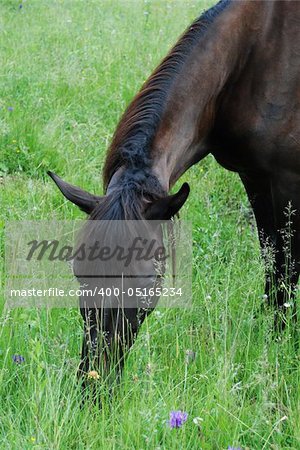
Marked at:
<point>68,69</point>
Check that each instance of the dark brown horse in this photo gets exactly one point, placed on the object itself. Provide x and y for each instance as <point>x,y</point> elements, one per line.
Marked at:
<point>229,87</point>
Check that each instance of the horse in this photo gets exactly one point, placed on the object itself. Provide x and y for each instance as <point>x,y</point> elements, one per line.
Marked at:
<point>229,87</point>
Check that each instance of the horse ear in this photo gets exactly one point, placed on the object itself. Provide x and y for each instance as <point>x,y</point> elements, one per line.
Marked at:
<point>167,207</point>
<point>84,200</point>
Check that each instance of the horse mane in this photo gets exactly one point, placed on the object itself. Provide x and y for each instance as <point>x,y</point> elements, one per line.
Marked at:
<point>131,143</point>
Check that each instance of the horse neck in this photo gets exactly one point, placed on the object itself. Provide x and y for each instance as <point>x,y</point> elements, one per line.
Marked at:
<point>215,61</point>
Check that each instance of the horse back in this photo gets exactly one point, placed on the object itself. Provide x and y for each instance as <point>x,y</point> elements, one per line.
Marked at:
<point>259,114</point>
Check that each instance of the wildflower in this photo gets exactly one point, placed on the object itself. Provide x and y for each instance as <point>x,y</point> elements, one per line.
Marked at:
<point>150,368</point>
<point>93,374</point>
<point>20,6</point>
<point>234,448</point>
<point>32,439</point>
<point>190,356</point>
<point>197,421</point>
<point>177,419</point>
<point>18,359</point>
<point>10,108</point>
<point>287,305</point>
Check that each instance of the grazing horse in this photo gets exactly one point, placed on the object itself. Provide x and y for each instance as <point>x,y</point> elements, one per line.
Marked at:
<point>229,87</point>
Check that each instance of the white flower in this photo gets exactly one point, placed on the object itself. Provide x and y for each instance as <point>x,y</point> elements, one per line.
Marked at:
<point>197,421</point>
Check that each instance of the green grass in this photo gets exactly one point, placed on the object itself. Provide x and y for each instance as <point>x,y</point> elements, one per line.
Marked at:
<point>68,69</point>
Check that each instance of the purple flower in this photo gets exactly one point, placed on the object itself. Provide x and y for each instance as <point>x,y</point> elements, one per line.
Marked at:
<point>10,108</point>
<point>234,448</point>
<point>18,359</point>
<point>177,419</point>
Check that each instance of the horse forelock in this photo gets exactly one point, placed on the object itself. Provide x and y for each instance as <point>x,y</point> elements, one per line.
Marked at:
<point>128,199</point>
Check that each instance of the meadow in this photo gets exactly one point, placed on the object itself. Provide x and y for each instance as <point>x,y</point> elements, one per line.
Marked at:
<point>68,69</point>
